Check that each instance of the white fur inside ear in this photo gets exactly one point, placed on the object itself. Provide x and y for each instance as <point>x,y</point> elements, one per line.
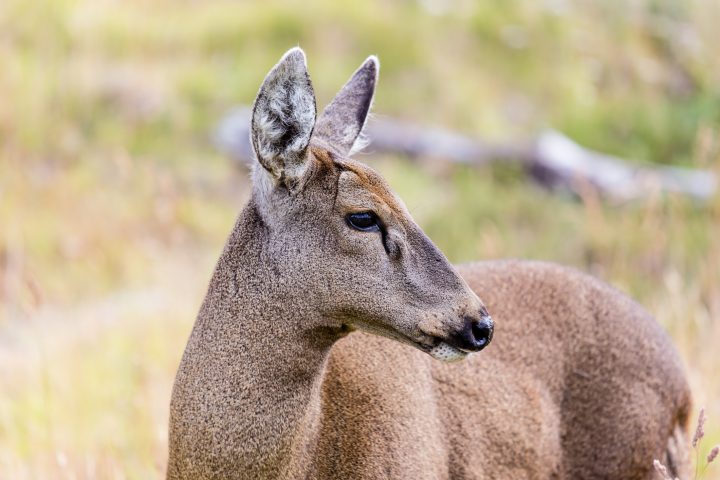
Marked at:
<point>361,140</point>
<point>360,143</point>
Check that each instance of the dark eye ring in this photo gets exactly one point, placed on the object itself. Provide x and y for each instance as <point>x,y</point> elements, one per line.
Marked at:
<point>363,221</point>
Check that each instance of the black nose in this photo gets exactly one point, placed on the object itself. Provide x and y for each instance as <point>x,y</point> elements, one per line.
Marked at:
<point>476,334</point>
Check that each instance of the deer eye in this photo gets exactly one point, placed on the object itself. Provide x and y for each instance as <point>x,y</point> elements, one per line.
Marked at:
<point>363,221</point>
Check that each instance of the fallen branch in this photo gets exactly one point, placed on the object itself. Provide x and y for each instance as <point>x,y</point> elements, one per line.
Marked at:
<point>552,159</point>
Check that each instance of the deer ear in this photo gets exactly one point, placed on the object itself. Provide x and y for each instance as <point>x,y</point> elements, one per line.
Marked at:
<point>283,118</point>
<point>342,121</point>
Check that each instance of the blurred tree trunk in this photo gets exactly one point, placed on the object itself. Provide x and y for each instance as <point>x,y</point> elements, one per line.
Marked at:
<point>552,159</point>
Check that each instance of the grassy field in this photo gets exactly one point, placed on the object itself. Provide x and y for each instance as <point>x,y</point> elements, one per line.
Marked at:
<point>114,204</point>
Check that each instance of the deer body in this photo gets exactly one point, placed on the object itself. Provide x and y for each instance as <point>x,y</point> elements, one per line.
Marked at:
<point>294,368</point>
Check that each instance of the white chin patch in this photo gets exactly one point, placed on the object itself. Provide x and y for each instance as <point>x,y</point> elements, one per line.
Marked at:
<point>447,353</point>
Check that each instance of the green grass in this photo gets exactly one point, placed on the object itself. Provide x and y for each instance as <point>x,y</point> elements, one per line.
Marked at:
<point>114,204</point>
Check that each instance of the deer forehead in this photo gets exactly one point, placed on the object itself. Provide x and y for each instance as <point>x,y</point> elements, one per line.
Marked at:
<point>361,188</point>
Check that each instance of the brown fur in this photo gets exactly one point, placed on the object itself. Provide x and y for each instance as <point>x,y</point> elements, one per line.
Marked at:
<point>579,381</point>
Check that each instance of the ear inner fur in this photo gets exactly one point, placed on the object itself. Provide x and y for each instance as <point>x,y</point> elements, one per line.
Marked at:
<point>283,118</point>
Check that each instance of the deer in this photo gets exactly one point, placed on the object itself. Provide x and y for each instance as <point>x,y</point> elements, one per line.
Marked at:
<point>337,341</point>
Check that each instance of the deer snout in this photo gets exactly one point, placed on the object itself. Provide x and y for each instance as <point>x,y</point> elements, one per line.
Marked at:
<point>475,334</point>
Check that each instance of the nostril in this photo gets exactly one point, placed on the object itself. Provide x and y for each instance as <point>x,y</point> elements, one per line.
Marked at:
<point>482,332</point>
<point>476,334</point>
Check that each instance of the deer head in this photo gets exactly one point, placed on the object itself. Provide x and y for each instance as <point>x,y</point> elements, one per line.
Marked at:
<point>341,242</point>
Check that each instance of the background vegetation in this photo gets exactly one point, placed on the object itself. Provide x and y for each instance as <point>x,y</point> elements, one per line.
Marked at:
<point>114,204</point>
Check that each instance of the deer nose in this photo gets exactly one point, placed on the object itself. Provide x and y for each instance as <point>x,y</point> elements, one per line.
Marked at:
<point>476,333</point>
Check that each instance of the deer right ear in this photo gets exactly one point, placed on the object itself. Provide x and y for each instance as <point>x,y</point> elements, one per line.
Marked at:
<point>283,119</point>
<point>342,121</point>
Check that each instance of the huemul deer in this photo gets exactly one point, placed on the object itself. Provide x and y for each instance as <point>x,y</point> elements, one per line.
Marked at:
<point>295,368</point>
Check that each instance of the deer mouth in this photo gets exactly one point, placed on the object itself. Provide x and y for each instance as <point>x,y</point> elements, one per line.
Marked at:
<point>436,347</point>
<point>445,352</point>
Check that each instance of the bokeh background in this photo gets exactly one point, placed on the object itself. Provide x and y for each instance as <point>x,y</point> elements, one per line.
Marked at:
<point>114,203</point>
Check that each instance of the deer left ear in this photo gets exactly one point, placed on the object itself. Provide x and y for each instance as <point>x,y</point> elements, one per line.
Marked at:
<point>283,119</point>
<point>343,119</point>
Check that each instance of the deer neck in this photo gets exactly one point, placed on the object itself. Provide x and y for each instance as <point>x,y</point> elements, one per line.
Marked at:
<point>269,366</point>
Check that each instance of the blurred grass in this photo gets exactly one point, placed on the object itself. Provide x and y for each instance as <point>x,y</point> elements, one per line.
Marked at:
<point>114,205</point>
